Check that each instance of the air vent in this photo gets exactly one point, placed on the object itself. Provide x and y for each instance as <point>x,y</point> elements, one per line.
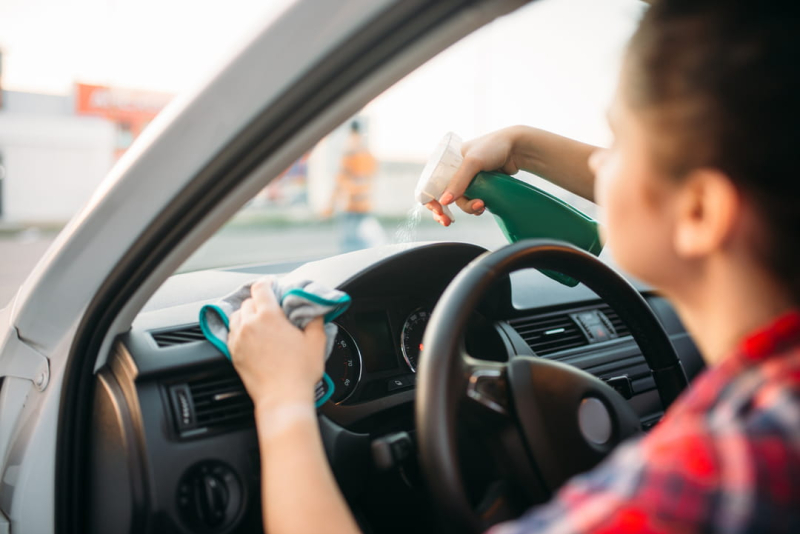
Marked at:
<point>554,332</point>
<point>178,336</point>
<point>213,403</point>
<point>620,328</point>
<point>546,334</point>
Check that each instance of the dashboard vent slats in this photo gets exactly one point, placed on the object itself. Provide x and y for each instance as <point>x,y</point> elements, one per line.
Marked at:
<point>616,322</point>
<point>178,336</point>
<point>549,334</point>
<point>558,331</point>
<point>214,403</point>
<point>220,402</point>
<point>552,333</point>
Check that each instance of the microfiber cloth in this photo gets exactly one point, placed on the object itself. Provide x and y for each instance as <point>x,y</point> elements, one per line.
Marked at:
<point>302,302</point>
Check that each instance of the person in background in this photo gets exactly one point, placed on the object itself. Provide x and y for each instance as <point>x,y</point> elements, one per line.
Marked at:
<point>352,193</point>
<point>701,193</point>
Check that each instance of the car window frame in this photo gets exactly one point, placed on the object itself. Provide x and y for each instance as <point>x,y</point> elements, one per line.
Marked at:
<point>397,41</point>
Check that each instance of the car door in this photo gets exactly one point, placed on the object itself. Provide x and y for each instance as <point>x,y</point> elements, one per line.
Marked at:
<point>198,163</point>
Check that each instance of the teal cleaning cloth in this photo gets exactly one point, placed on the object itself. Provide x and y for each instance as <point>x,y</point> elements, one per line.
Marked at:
<point>302,302</point>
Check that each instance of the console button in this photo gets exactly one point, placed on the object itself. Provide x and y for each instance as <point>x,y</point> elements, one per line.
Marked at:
<point>397,382</point>
<point>622,384</point>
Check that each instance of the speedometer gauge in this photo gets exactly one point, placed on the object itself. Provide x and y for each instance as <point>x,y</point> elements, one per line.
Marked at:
<point>411,336</point>
<point>344,366</point>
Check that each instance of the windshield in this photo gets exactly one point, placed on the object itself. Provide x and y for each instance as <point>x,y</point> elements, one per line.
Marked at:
<point>79,82</point>
<point>551,65</point>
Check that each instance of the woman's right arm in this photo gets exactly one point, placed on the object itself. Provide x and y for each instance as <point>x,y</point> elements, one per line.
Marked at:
<point>558,159</point>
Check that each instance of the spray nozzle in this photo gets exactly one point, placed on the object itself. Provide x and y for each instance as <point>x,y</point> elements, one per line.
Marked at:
<point>437,173</point>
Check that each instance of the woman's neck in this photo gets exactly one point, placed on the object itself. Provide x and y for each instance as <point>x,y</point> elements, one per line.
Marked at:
<point>726,305</point>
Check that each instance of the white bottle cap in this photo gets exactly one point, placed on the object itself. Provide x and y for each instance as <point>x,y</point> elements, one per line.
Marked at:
<point>439,170</point>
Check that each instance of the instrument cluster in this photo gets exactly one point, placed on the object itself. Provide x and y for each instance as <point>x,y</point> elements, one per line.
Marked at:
<point>371,343</point>
<point>377,351</point>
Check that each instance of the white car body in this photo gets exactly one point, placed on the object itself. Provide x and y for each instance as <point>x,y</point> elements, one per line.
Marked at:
<point>183,153</point>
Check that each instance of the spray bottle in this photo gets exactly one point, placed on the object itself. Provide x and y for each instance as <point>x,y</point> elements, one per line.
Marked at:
<point>521,210</point>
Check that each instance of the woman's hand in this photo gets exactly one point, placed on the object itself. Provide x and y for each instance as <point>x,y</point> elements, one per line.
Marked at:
<point>491,152</point>
<point>560,160</point>
<point>280,365</point>
<point>278,362</point>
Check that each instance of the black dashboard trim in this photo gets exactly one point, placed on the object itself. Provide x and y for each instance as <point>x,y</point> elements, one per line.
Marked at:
<point>392,286</point>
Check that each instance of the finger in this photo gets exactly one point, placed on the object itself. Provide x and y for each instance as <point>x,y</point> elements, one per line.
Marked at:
<point>315,329</point>
<point>461,180</point>
<point>442,219</point>
<point>235,321</point>
<point>247,309</point>
<point>473,206</point>
<point>266,280</point>
<point>438,213</point>
<point>264,296</point>
<point>315,334</point>
<point>435,207</point>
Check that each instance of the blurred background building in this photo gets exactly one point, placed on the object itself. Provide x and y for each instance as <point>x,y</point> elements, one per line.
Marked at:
<point>55,149</point>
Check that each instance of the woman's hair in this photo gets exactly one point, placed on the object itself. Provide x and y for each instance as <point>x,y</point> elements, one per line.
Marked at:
<point>721,80</point>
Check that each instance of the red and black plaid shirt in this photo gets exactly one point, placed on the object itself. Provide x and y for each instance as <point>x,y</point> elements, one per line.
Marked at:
<point>725,458</point>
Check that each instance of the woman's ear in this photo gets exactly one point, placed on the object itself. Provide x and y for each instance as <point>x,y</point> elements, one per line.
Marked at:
<point>707,209</point>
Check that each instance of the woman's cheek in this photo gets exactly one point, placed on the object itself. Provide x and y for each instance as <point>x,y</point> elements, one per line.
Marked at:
<point>605,166</point>
<point>637,225</point>
<point>624,231</point>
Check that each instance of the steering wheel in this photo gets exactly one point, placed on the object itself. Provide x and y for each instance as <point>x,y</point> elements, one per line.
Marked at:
<point>547,420</point>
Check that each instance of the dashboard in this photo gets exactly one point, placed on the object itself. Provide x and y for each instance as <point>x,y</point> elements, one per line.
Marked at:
<point>173,429</point>
<point>378,345</point>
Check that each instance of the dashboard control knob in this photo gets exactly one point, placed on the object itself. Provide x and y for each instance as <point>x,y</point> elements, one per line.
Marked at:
<point>210,497</point>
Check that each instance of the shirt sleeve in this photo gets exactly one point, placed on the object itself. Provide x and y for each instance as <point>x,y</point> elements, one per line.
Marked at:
<point>665,483</point>
<point>725,458</point>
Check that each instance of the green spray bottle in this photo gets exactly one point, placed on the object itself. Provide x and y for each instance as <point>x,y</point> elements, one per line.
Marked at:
<point>521,210</point>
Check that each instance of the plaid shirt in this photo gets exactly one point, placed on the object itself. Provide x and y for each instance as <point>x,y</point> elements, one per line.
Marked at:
<point>725,458</point>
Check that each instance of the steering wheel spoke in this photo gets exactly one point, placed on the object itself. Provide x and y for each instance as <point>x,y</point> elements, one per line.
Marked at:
<point>491,426</point>
<point>487,386</point>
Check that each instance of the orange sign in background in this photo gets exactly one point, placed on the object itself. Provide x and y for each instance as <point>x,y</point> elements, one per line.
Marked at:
<point>131,110</point>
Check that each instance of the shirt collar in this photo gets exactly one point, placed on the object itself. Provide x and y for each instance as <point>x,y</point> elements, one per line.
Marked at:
<point>773,339</point>
<point>782,333</point>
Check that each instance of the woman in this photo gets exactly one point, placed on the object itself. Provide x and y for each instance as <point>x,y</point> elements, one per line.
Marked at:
<point>701,196</point>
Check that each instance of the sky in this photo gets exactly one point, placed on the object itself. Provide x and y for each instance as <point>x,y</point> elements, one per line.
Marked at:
<point>163,45</point>
<point>551,64</point>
